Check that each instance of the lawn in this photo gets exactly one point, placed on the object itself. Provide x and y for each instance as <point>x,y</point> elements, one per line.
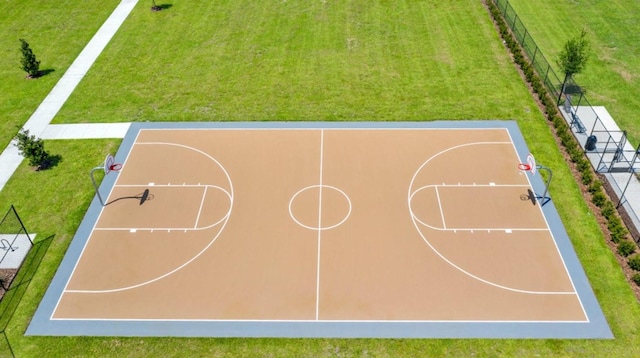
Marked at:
<point>293,60</point>
<point>296,60</point>
<point>612,75</point>
<point>57,32</point>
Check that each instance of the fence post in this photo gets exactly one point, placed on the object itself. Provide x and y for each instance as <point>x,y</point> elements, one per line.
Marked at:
<point>564,83</point>
<point>524,37</point>
<point>21,224</point>
<point>503,9</point>
<point>8,344</point>
<point>533,59</point>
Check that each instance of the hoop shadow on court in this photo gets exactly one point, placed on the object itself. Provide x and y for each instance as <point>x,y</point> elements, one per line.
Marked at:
<point>530,195</point>
<point>142,197</point>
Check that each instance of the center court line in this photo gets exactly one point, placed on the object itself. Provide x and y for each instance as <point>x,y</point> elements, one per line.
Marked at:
<point>319,225</point>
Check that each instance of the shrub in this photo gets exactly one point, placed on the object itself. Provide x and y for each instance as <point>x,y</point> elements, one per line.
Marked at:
<point>595,187</point>
<point>551,108</point>
<point>583,165</point>
<point>575,153</point>
<point>566,138</point>
<point>626,247</point>
<point>29,62</point>
<point>561,125</point>
<point>599,199</point>
<point>587,178</point>
<point>618,231</point>
<point>542,94</point>
<point>608,210</point>
<point>636,278</point>
<point>613,223</point>
<point>634,261</point>
<point>31,148</point>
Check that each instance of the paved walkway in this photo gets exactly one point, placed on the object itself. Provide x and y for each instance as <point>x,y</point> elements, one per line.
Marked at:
<point>85,131</point>
<point>39,122</point>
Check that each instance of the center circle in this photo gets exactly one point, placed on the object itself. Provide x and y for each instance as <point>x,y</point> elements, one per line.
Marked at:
<point>320,207</point>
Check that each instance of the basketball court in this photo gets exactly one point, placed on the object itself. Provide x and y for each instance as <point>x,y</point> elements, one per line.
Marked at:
<point>297,229</point>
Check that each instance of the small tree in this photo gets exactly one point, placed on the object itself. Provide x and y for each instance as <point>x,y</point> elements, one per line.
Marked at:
<point>29,62</point>
<point>573,57</point>
<point>32,149</point>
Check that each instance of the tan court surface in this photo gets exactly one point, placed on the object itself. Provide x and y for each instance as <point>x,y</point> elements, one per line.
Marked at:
<point>332,224</point>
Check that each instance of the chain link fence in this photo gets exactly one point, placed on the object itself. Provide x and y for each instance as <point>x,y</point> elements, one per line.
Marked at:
<point>552,82</point>
<point>603,142</point>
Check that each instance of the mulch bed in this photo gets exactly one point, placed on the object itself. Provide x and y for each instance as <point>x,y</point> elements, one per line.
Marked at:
<point>6,276</point>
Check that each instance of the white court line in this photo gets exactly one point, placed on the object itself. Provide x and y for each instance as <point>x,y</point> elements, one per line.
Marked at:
<point>173,228</point>
<point>204,195</point>
<point>147,282</point>
<point>310,320</point>
<point>443,257</point>
<point>444,227</point>
<point>93,228</point>
<point>444,224</point>
<point>169,185</point>
<point>321,127</point>
<point>293,217</point>
<point>319,225</point>
<point>566,270</point>
<point>475,185</point>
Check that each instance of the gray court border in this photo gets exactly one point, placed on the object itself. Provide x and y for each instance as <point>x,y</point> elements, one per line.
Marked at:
<point>596,327</point>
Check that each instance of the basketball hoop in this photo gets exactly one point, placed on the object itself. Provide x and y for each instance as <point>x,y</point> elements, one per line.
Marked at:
<point>524,167</point>
<point>108,166</point>
<point>111,165</point>
<point>529,166</point>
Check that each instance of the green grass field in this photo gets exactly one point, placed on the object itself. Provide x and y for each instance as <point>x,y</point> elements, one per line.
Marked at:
<point>612,75</point>
<point>57,32</point>
<point>286,60</point>
<point>294,60</point>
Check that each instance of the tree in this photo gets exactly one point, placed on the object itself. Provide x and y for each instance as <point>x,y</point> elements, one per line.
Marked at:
<point>573,59</point>
<point>32,149</point>
<point>29,62</point>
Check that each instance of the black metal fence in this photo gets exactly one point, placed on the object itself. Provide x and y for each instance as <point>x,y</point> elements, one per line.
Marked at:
<point>610,152</point>
<point>603,142</point>
<point>552,82</point>
<point>19,260</point>
<point>15,243</point>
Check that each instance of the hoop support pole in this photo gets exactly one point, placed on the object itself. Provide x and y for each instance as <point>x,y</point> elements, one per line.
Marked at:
<point>544,198</point>
<point>95,186</point>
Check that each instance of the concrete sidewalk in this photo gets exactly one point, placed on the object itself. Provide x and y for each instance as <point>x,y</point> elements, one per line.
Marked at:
<point>85,131</point>
<point>39,121</point>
